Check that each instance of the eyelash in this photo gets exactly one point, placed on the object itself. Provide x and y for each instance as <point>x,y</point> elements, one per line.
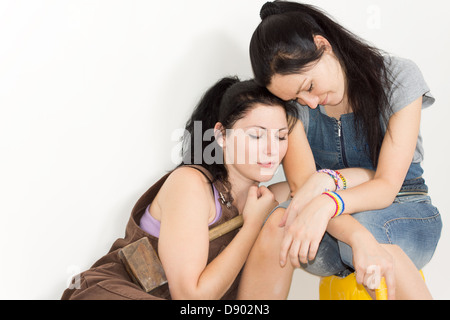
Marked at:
<point>257,138</point>
<point>309,91</point>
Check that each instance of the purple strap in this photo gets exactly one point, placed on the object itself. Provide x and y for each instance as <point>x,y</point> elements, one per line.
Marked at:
<point>152,226</point>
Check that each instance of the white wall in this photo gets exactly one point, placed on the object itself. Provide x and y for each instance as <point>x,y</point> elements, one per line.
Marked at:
<point>92,90</point>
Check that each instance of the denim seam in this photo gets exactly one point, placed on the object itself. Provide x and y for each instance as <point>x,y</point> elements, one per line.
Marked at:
<point>386,226</point>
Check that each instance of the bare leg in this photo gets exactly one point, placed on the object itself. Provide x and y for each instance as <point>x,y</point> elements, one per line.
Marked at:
<point>263,278</point>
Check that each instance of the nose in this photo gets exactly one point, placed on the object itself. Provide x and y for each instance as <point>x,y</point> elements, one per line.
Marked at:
<point>272,145</point>
<point>309,100</point>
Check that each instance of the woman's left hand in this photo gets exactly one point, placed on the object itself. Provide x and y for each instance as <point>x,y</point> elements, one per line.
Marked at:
<point>372,263</point>
<point>304,234</point>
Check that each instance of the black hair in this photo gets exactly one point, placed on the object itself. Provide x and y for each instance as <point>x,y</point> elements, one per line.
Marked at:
<point>284,44</point>
<point>226,102</point>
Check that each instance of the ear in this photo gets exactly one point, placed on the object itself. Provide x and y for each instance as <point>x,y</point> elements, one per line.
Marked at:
<point>219,133</point>
<point>321,42</point>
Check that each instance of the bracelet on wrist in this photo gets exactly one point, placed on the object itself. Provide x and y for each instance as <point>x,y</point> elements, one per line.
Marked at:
<point>340,205</point>
<point>344,181</point>
<point>336,176</point>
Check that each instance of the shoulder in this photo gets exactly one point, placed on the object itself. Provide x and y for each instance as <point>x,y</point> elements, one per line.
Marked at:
<point>407,83</point>
<point>186,184</point>
<point>401,68</point>
<point>186,173</point>
<point>188,178</point>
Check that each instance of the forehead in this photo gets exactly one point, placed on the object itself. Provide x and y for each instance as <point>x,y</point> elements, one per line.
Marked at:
<point>286,87</point>
<point>267,116</point>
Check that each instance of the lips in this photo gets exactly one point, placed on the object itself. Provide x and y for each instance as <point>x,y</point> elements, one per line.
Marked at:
<point>324,102</point>
<point>267,165</point>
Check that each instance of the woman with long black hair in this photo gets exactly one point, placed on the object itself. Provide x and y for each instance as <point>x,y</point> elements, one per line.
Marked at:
<point>359,108</point>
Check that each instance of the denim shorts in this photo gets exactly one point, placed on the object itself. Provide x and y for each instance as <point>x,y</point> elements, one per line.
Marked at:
<point>411,222</point>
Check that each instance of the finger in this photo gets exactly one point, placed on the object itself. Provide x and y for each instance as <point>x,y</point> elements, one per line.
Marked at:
<point>253,192</point>
<point>266,194</point>
<point>294,253</point>
<point>288,217</point>
<point>263,190</point>
<point>284,218</point>
<point>390,284</point>
<point>285,245</point>
<point>372,278</point>
<point>258,193</point>
<point>303,252</point>
<point>291,216</point>
<point>313,249</point>
<point>359,275</point>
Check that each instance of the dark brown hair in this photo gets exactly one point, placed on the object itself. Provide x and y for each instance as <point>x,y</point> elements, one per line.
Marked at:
<point>226,102</point>
<point>284,44</point>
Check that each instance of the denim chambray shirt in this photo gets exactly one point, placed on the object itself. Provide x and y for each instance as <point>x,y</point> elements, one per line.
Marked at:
<point>335,144</point>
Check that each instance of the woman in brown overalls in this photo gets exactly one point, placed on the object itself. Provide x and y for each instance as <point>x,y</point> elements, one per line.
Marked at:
<point>249,128</point>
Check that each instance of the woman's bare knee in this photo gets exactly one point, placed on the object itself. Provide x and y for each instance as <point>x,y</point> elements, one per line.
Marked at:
<point>269,238</point>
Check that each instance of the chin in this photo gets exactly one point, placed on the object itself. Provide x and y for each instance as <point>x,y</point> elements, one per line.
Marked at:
<point>265,174</point>
<point>257,173</point>
<point>265,178</point>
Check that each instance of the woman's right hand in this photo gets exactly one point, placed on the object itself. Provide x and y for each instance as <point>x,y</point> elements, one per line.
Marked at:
<point>260,202</point>
<point>315,186</point>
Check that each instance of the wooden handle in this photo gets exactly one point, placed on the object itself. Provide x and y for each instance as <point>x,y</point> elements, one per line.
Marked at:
<point>226,227</point>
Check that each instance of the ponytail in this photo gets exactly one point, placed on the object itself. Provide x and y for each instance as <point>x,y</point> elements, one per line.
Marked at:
<point>199,129</point>
<point>226,102</point>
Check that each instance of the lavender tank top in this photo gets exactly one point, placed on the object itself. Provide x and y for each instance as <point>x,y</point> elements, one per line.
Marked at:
<point>152,226</point>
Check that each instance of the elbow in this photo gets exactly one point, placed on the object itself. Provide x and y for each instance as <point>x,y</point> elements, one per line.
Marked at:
<point>293,187</point>
<point>296,183</point>
<point>386,202</point>
<point>191,293</point>
<point>186,295</point>
<point>389,191</point>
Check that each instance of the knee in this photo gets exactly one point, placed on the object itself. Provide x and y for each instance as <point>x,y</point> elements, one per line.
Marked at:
<point>269,239</point>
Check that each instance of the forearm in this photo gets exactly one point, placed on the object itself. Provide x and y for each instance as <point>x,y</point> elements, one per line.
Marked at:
<point>320,182</point>
<point>375,194</point>
<point>394,162</point>
<point>357,176</point>
<point>348,230</point>
<point>221,272</point>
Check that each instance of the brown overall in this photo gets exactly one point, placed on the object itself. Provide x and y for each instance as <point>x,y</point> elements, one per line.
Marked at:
<point>108,279</point>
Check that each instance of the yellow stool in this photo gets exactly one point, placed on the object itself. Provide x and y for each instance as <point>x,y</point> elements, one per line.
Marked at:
<point>335,288</point>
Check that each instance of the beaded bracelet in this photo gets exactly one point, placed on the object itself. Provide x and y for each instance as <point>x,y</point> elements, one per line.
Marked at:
<point>336,176</point>
<point>333,175</point>
<point>340,206</point>
<point>344,181</point>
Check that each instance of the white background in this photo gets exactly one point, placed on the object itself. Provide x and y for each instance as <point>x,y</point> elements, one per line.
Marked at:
<point>92,91</point>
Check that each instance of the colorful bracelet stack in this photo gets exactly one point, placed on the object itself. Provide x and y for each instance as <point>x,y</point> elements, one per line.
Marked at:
<point>340,206</point>
<point>336,176</point>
